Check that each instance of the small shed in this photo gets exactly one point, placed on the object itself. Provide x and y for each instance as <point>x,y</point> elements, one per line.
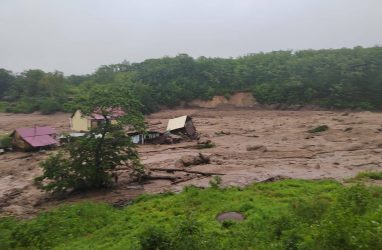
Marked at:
<point>34,138</point>
<point>183,126</point>
<point>81,123</point>
<point>65,138</point>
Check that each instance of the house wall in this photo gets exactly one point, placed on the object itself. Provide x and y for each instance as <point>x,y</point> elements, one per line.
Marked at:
<point>79,122</point>
<point>191,130</point>
<point>19,143</point>
<point>95,123</point>
<point>140,138</point>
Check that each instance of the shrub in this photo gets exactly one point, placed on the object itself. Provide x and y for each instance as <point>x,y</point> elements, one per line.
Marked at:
<point>24,105</point>
<point>318,129</point>
<point>369,175</point>
<point>3,106</point>
<point>155,238</point>
<point>49,106</point>
<point>5,141</point>
<point>215,181</point>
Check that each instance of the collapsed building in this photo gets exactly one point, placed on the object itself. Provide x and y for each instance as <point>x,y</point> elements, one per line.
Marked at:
<point>182,126</point>
<point>34,138</point>
<point>150,136</point>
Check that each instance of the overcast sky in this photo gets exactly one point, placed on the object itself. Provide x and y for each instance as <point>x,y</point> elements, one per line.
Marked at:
<point>77,36</point>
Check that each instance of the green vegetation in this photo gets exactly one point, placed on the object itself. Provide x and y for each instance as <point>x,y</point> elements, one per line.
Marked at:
<point>318,129</point>
<point>5,141</point>
<point>289,214</point>
<point>368,175</point>
<point>90,161</point>
<point>3,105</point>
<point>338,78</point>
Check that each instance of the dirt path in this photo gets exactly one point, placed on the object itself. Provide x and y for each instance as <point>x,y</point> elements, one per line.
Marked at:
<point>352,144</point>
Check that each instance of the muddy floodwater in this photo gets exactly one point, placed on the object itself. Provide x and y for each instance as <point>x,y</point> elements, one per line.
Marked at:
<point>251,146</point>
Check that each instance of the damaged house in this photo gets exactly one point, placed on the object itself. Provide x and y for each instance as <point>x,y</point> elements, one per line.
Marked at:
<point>182,126</point>
<point>34,138</point>
<point>142,138</point>
<point>81,123</point>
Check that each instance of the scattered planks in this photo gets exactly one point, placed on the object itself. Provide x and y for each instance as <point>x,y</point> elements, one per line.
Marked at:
<point>161,177</point>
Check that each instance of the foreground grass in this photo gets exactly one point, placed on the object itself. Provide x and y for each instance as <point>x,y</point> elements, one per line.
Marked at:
<point>369,175</point>
<point>290,214</point>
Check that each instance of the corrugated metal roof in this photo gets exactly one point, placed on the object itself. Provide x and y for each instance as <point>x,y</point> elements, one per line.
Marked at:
<point>35,131</point>
<point>176,123</point>
<point>40,141</point>
<point>38,136</point>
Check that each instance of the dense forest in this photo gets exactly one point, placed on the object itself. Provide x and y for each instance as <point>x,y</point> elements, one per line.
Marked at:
<point>331,78</point>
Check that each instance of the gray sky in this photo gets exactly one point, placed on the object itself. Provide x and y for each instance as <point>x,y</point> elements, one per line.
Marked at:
<point>77,36</point>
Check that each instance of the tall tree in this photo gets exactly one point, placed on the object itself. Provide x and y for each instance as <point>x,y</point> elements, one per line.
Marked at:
<point>91,161</point>
<point>6,81</point>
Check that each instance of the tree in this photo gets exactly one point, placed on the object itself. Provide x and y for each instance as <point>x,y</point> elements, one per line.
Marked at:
<point>6,79</point>
<point>52,84</point>
<point>90,162</point>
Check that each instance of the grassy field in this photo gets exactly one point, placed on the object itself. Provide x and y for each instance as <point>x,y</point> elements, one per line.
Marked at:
<point>289,214</point>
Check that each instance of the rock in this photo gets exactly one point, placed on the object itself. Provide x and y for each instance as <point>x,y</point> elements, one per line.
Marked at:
<point>275,178</point>
<point>232,216</point>
<point>317,166</point>
<point>156,123</point>
<point>355,147</point>
<point>284,138</point>
<point>260,148</point>
<point>205,141</point>
<point>189,160</point>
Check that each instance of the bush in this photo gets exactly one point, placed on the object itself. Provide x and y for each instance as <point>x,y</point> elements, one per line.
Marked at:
<point>5,141</point>
<point>3,106</point>
<point>24,105</point>
<point>215,181</point>
<point>50,106</point>
<point>369,175</point>
<point>155,238</point>
<point>318,129</point>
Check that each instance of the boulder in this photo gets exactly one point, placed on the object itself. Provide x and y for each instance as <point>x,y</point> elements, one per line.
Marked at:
<point>232,216</point>
<point>190,160</point>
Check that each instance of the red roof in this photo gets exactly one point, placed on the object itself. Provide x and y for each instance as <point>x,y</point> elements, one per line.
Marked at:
<point>26,132</point>
<point>38,136</point>
<point>40,140</point>
<point>115,113</point>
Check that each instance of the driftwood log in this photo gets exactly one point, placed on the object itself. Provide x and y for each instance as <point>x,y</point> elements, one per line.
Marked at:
<point>185,170</point>
<point>160,177</point>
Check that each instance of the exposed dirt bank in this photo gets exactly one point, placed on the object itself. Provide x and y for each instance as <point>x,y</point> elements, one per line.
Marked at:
<point>238,100</point>
<point>251,145</point>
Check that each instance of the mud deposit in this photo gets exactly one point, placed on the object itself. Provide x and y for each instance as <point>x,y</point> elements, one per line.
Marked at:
<point>251,146</point>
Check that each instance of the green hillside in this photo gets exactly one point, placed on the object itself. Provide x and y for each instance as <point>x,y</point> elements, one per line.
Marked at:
<point>331,78</point>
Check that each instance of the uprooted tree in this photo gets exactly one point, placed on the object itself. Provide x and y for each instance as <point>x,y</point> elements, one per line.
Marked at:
<point>90,162</point>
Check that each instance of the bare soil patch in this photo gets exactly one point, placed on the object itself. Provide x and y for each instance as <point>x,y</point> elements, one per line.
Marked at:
<point>291,152</point>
